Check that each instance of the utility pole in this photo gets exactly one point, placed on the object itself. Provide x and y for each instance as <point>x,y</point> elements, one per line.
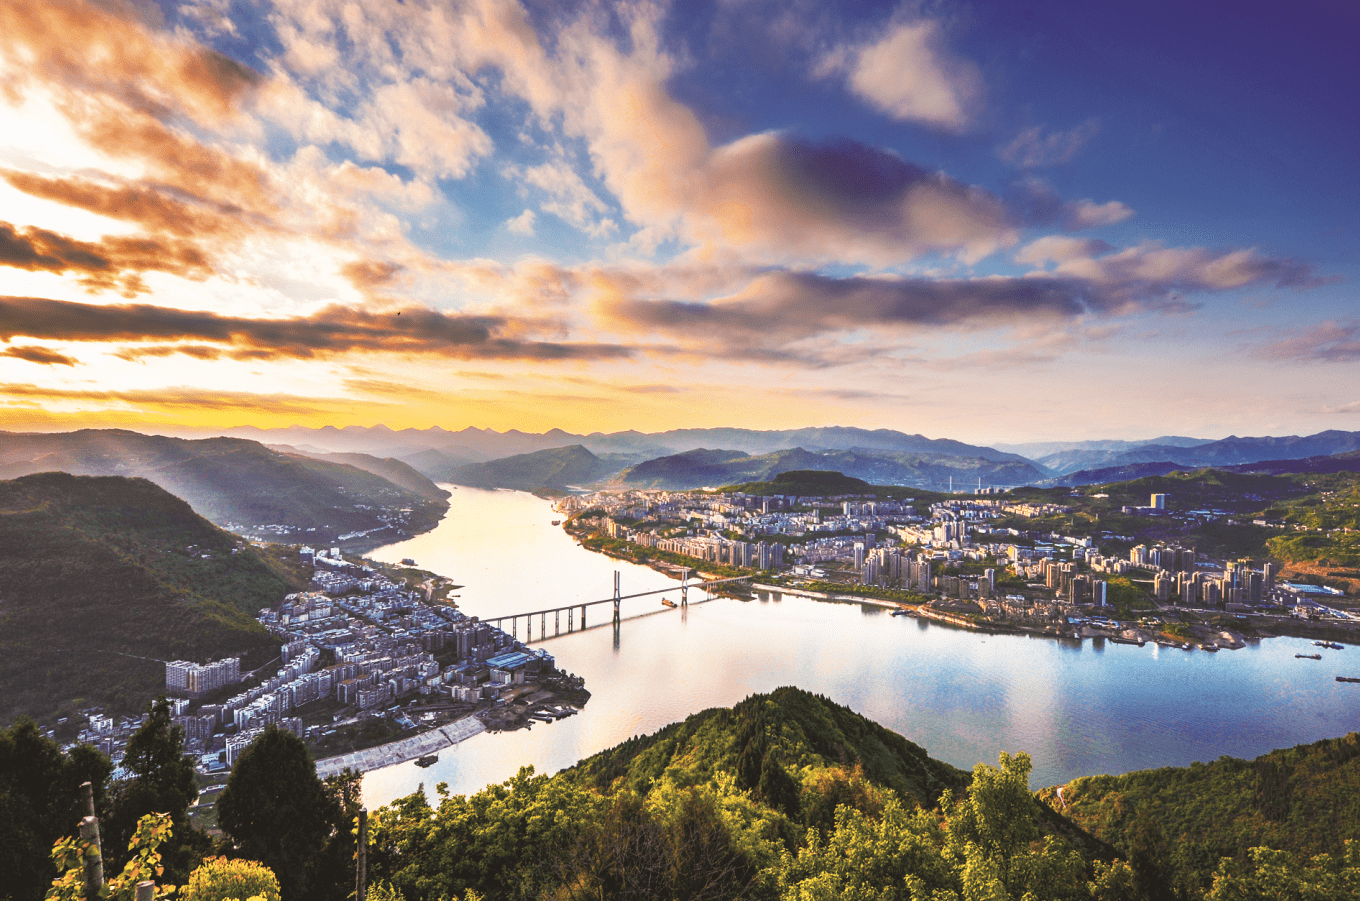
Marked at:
<point>94,857</point>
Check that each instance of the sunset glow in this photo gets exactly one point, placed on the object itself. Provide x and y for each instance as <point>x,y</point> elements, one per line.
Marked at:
<point>975,220</point>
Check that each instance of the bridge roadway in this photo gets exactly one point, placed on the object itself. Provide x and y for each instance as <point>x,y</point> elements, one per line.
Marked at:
<point>570,609</point>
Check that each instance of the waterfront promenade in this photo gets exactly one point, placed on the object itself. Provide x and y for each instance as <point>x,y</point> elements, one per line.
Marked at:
<point>431,742</point>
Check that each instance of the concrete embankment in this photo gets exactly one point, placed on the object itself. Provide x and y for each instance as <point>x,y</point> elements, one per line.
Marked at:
<point>405,749</point>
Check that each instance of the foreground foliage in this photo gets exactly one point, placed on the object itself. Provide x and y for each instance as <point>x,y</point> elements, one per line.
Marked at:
<point>785,797</point>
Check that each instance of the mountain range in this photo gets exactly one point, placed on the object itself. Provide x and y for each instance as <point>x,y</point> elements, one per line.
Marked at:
<point>244,485</point>
<point>698,468</point>
<point>473,445</point>
<point>438,453</point>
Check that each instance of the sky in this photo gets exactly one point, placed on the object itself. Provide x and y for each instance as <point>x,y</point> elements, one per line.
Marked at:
<point>989,221</point>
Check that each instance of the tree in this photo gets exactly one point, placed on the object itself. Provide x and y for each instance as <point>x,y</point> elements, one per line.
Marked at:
<point>994,837</point>
<point>220,879</point>
<point>40,802</point>
<point>145,864</point>
<point>1284,876</point>
<point>162,781</point>
<point>275,810</point>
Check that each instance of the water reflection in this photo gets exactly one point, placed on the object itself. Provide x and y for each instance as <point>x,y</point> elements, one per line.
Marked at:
<point>1078,708</point>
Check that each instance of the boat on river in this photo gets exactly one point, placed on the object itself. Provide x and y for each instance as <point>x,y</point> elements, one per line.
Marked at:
<point>1308,656</point>
<point>668,602</point>
<point>1347,679</point>
<point>427,760</point>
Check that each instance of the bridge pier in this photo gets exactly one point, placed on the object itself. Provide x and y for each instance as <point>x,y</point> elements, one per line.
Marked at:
<point>543,626</point>
<point>557,622</point>
<point>583,616</point>
<point>617,599</point>
<point>571,611</point>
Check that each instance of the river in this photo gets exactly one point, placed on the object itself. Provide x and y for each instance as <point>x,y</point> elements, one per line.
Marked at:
<point>1078,708</point>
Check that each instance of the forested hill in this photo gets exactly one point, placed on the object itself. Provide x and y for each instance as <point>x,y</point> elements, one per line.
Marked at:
<point>95,568</point>
<point>784,796</point>
<point>239,484</point>
<point>788,730</point>
<point>1303,800</point>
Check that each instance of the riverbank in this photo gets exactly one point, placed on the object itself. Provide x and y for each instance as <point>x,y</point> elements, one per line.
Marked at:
<point>831,596</point>
<point>402,750</point>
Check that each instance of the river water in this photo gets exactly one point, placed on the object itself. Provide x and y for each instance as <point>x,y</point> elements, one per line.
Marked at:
<point>1078,708</point>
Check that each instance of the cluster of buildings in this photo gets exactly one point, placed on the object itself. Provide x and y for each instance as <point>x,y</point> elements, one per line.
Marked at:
<point>358,642</point>
<point>954,551</point>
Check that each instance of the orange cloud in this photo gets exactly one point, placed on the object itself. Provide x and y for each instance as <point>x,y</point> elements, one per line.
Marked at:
<point>147,206</point>
<point>108,49</point>
<point>334,330</point>
<point>34,353</point>
<point>115,262</point>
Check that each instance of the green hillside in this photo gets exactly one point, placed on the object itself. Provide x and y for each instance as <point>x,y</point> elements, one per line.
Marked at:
<point>403,475</point>
<point>808,483</point>
<point>1304,800</point>
<point>795,729</point>
<point>238,484</point>
<point>558,467</point>
<point>95,568</point>
<point>784,796</point>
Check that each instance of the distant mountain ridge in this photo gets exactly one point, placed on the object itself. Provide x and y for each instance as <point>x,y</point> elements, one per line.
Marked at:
<point>556,468</point>
<point>1228,451</point>
<point>241,483</point>
<point>463,446</point>
<point>1348,461</point>
<point>711,468</point>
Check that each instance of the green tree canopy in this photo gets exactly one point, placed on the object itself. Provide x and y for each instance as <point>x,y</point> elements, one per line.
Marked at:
<point>275,810</point>
<point>162,781</point>
<point>40,802</point>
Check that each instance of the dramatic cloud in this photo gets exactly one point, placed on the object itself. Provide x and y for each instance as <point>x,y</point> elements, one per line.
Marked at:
<point>104,50</point>
<point>367,275</point>
<point>331,331</point>
<point>1035,203</point>
<point>774,310</point>
<point>788,306</point>
<point>1330,342</point>
<point>1150,269</point>
<point>1033,148</point>
<point>1060,249</point>
<point>844,201</point>
<point>174,399</point>
<point>34,353</point>
<point>910,74</point>
<point>113,263</point>
<point>152,208</point>
<point>569,197</point>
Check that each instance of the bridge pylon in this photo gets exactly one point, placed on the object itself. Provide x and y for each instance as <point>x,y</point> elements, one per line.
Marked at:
<point>618,597</point>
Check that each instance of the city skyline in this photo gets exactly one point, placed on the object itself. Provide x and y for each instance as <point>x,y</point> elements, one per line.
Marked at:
<point>971,221</point>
